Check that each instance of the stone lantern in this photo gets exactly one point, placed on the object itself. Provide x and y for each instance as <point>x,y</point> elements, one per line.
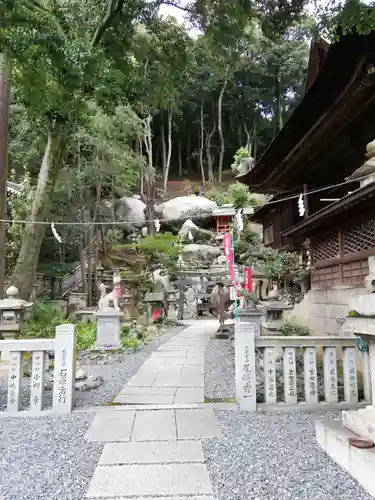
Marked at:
<point>12,312</point>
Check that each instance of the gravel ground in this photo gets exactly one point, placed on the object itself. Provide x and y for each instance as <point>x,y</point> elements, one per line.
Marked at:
<point>219,376</point>
<point>46,458</point>
<point>115,376</point>
<point>275,457</point>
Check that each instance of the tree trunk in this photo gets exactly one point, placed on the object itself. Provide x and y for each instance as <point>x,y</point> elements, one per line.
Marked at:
<point>188,152</point>
<point>220,129</point>
<point>179,159</point>
<point>89,264</point>
<point>239,135</point>
<point>201,147</point>
<point>4,125</point>
<point>279,111</point>
<point>209,155</point>
<point>163,148</point>
<point>248,138</point>
<point>169,154</point>
<point>255,143</point>
<point>24,272</point>
<point>149,178</point>
<point>82,259</point>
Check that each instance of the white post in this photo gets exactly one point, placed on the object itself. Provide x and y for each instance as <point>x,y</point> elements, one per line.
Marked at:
<point>270,375</point>
<point>37,381</point>
<point>310,375</point>
<point>14,381</point>
<point>372,370</point>
<point>290,379</point>
<point>65,368</point>
<point>366,376</point>
<point>330,375</point>
<point>349,359</point>
<point>245,365</point>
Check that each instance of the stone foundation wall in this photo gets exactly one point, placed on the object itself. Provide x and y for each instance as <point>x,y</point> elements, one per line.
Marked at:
<point>324,311</point>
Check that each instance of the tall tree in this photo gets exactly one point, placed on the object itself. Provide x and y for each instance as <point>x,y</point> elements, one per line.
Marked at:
<point>58,56</point>
<point>4,125</point>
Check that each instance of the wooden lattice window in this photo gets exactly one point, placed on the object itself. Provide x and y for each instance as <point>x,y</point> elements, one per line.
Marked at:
<point>361,237</point>
<point>327,249</point>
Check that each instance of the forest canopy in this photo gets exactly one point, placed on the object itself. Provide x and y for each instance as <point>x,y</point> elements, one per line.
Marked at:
<point>107,97</point>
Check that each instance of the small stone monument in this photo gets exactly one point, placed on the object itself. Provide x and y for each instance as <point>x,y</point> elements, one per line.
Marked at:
<point>108,331</point>
<point>12,312</point>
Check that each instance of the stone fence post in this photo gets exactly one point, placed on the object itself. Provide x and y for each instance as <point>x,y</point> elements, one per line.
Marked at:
<point>65,367</point>
<point>244,335</point>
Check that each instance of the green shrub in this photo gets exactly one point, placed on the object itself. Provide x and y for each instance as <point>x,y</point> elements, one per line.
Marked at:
<point>86,335</point>
<point>127,340</point>
<point>129,343</point>
<point>290,327</point>
<point>45,316</point>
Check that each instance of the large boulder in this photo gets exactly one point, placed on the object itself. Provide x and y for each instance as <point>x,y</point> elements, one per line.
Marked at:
<point>132,210</point>
<point>200,252</point>
<point>186,207</point>
<point>199,235</point>
<point>188,226</point>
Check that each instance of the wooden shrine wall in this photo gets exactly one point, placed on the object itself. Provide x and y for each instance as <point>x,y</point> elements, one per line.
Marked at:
<point>340,256</point>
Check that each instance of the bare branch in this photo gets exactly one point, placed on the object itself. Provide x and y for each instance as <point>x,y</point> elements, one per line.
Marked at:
<point>174,4</point>
<point>113,10</point>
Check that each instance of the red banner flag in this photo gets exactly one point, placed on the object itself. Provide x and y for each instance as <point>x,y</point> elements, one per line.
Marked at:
<point>248,272</point>
<point>227,242</point>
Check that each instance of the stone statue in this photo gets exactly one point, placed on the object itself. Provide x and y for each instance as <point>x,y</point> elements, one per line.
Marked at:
<point>220,302</point>
<point>245,165</point>
<point>110,298</point>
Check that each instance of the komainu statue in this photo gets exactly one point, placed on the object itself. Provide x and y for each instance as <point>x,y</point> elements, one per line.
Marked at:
<point>108,300</point>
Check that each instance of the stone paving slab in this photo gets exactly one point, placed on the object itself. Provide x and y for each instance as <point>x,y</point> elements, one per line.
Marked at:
<point>170,348</point>
<point>156,425</point>
<point>156,369</point>
<point>155,452</point>
<point>196,424</point>
<point>147,480</point>
<point>184,361</point>
<point>167,380</point>
<point>192,370</point>
<point>144,399</point>
<point>180,353</point>
<point>142,380</point>
<point>189,395</point>
<point>148,391</point>
<point>111,426</point>
<point>154,362</point>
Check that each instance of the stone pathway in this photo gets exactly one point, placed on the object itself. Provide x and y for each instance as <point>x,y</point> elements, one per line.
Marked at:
<point>152,445</point>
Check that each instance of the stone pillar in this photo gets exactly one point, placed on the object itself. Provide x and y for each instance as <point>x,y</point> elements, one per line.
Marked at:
<point>245,363</point>
<point>108,329</point>
<point>65,367</point>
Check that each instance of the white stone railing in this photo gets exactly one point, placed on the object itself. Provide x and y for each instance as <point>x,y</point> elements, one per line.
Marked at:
<point>278,360</point>
<point>64,347</point>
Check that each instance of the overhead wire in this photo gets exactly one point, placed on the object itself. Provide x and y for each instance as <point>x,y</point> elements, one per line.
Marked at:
<point>160,219</point>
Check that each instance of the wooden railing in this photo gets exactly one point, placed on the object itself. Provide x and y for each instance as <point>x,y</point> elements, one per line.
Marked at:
<point>270,361</point>
<point>73,280</point>
<point>12,359</point>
